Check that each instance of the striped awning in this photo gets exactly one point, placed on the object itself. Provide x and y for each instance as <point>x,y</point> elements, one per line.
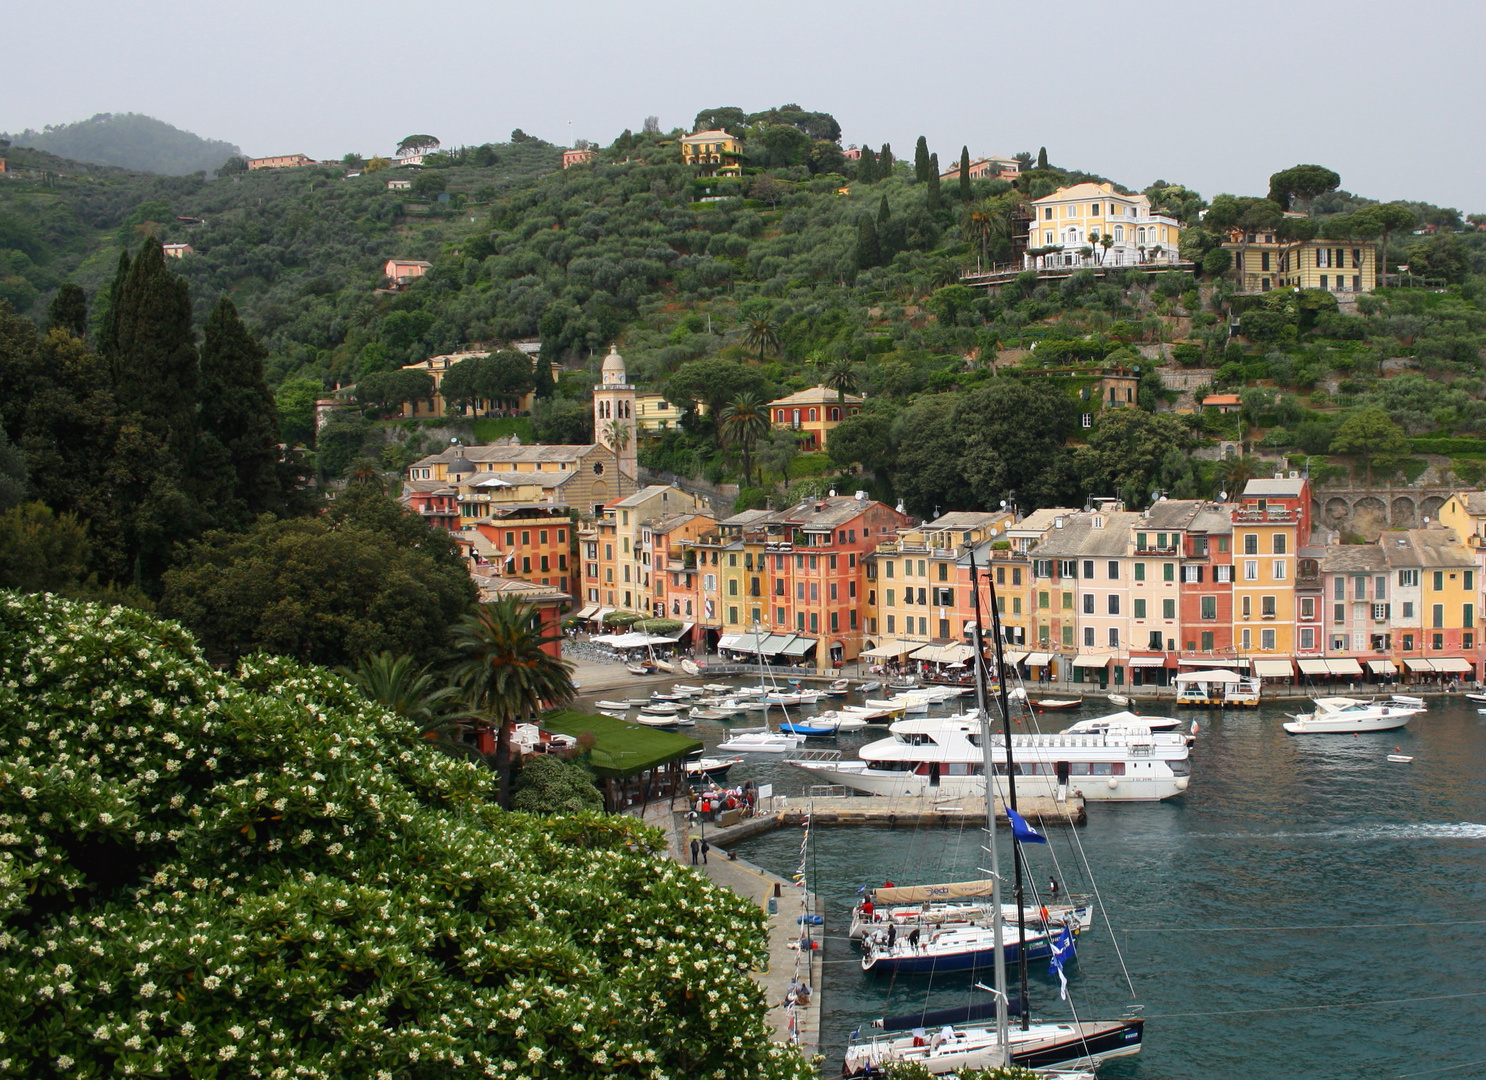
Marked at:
<point>1014,656</point>
<point>1417,665</point>
<point>586,612</point>
<point>799,646</point>
<point>1147,661</point>
<point>1038,659</point>
<point>1092,660</point>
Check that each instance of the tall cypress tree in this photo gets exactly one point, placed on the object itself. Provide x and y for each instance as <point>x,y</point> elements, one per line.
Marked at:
<point>885,160</point>
<point>1042,157</point>
<point>931,191</point>
<point>238,412</point>
<point>544,383</point>
<point>106,311</point>
<point>964,174</point>
<point>921,161</point>
<point>156,372</point>
<point>884,214</point>
<point>69,311</point>
<point>867,166</point>
<point>868,253</point>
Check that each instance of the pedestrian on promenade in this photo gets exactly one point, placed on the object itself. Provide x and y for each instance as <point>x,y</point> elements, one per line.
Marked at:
<point>696,846</point>
<point>706,847</point>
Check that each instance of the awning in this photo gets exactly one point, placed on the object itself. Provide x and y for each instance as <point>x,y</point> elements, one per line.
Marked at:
<point>679,634</point>
<point>746,643</point>
<point>890,649</point>
<point>942,654</point>
<point>598,615</point>
<point>1451,663</point>
<point>1313,667</point>
<point>1014,656</point>
<point>968,628</point>
<point>1344,666</point>
<point>728,641</point>
<point>1214,661</point>
<point>1383,667</point>
<point>1147,661</point>
<point>1091,660</point>
<point>799,646</point>
<point>587,612</point>
<point>632,640</point>
<point>1273,669</point>
<point>1038,659</point>
<point>1417,665</point>
<point>773,644</point>
<point>1217,676</point>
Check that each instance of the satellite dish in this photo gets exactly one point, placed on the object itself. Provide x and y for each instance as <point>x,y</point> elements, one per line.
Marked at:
<point>1222,496</point>
<point>1003,504</point>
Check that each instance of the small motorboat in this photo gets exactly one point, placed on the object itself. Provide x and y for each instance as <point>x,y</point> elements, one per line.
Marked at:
<point>781,697</point>
<point>690,667</point>
<point>707,714</point>
<point>636,702</point>
<point>661,720</point>
<point>1402,759</point>
<point>1099,725</point>
<point>717,687</point>
<point>688,690</point>
<point>1119,699</point>
<point>874,684</point>
<point>841,720</point>
<point>662,708</point>
<point>666,666</point>
<point>620,705</point>
<point>640,669</point>
<point>670,699</point>
<point>872,714</point>
<point>809,730</point>
<point>698,769</point>
<point>761,742</point>
<point>839,688</point>
<point>1479,699</point>
<point>1057,704</point>
<point>902,703</point>
<point>1412,702</point>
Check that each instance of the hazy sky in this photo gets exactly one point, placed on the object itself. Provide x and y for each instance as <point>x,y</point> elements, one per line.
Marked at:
<point>1213,95</point>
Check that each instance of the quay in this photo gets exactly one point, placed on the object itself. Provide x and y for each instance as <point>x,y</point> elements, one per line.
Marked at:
<point>902,811</point>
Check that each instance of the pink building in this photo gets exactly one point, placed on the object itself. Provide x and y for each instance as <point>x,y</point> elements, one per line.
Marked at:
<point>577,157</point>
<point>404,270</point>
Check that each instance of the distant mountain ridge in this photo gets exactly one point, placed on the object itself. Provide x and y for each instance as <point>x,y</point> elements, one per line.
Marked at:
<point>131,141</point>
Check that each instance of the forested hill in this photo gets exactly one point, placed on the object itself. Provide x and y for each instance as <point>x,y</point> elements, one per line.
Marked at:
<point>809,268</point>
<point>129,141</point>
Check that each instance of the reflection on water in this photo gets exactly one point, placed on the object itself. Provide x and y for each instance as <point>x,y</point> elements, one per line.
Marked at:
<point>1248,910</point>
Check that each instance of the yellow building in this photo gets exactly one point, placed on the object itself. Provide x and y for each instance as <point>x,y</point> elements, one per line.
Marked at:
<point>1270,523</point>
<point>436,367</point>
<point>1263,261</point>
<point>655,413</point>
<point>814,413</point>
<point>714,153</point>
<point>624,551</point>
<point>1078,218</point>
<point>595,476</point>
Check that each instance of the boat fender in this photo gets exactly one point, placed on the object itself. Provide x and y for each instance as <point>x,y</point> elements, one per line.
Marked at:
<point>1113,783</point>
<point>1181,783</point>
<point>811,920</point>
<point>892,821</point>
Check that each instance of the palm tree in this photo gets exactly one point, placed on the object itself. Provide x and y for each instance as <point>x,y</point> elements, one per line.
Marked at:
<point>617,433</point>
<point>506,675</point>
<point>400,686</point>
<point>744,421</point>
<point>1233,473</point>
<point>989,221</point>
<point>840,375</point>
<point>763,335</point>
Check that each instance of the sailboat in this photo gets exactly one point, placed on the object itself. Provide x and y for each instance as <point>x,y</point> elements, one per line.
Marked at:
<point>763,740</point>
<point>1075,1044</point>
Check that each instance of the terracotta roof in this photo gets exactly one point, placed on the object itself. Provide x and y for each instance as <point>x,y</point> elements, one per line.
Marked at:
<point>816,395</point>
<point>1221,399</point>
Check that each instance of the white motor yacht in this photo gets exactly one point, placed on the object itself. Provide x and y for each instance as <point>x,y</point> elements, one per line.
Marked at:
<point>943,756</point>
<point>761,742</point>
<point>1345,716</point>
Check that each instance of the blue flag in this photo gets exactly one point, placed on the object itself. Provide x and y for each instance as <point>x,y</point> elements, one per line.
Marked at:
<point>1020,830</point>
<point>1062,952</point>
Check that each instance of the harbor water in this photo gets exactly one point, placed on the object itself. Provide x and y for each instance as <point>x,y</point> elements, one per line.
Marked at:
<point>1306,909</point>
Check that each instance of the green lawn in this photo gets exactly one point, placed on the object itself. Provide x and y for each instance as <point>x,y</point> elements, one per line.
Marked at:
<point>489,428</point>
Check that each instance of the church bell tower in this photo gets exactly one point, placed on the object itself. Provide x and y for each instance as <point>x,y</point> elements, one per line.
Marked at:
<point>614,413</point>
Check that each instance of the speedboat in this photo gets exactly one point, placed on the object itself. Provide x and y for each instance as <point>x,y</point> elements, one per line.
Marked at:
<point>1345,716</point>
<point>1099,724</point>
<point>707,714</point>
<point>782,697</point>
<point>663,708</point>
<point>1416,702</point>
<point>873,714</point>
<point>817,730</point>
<point>842,720</point>
<point>698,769</point>
<point>839,688</point>
<point>761,742</point>
<point>717,687</point>
<point>902,703</point>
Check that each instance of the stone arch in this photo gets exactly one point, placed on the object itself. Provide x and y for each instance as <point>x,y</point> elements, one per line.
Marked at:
<point>1402,514</point>
<point>1337,512</point>
<point>1430,508</point>
<point>1316,515</point>
<point>1369,516</point>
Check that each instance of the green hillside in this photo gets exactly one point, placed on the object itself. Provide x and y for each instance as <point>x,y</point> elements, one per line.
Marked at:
<point>129,141</point>
<point>810,268</point>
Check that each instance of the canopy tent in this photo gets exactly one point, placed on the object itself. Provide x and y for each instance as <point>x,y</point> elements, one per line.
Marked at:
<point>1214,661</point>
<point>889,649</point>
<point>1038,659</point>
<point>773,644</point>
<point>747,643</point>
<point>632,640</point>
<point>799,646</point>
<point>942,654</point>
<point>1217,675</point>
<point>1273,669</point>
<point>1457,664</point>
<point>1383,667</point>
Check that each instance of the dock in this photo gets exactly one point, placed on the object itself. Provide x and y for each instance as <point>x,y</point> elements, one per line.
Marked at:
<point>904,811</point>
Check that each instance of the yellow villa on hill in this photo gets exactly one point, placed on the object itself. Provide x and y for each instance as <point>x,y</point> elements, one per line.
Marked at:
<point>814,413</point>
<point>1074,219</point>
<point>714,153</point>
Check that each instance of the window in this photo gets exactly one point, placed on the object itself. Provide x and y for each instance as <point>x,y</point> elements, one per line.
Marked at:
<point>1140,541</point>
<point>1114,570</point>
<point>1468,616</point>
<point>1191,574</point>
<point>1067,601</point>
<point>1139,608</point>
<point>1307,607</point>
<point>942,597</point>
<point>1207,641</point>
<point>1114,603</point>
<point>1246,640</point>
<point>1267,607</point>
<point>1089,570</point>
<point>1140,571</point>
<point>943,569</point>
<point>890,621</point>
<point>1408,643</point>
<point>1199,547</point>
<point>1068,568</point>
<point>1439,581</point>
<point>1067,636</point>
<point>1437,616</point>
<point>1223,575</point>
<point>1016,604</point>
<point>1277,570</point>
<point>1470,581</point>
<point>1086,420</point>
<point>891,594</point>
<point>1251,543</point>
<point>1168,609</point>
<point>732,614</point>
<point>1408,609</point>
<point>1379,612</point>
<point>1088,603</point>
<point>889,566</point>
<point>1089,636</point>
<point>1168,571</point>
<point>1266,640</point>
<point>1278,541</point>
<point>1307,638</point>
<point>1114,638</point>
<point>1251,570</point>
<point>1437,641</point>
<point>1042,600</point>
<point>1408,578</point>
<point>1246,606</point>
<point>1209,607</point>
<point>1016,575</point>
<point>1339,613</point>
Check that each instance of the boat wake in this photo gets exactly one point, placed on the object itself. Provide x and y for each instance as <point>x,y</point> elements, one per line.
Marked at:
<point>1424,830</point>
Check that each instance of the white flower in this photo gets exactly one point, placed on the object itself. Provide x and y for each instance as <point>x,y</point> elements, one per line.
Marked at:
<point>534,1054</point>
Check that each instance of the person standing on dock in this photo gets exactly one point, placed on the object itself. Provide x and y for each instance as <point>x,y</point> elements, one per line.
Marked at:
<point>696,846</point>
<point>706,847</point>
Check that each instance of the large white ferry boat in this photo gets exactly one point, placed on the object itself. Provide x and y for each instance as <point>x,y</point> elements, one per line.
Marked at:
<point>943,757</point>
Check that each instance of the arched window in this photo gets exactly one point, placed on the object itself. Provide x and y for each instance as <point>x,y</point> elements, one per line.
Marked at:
<point>1119,233</point>
<point>835,414</point>
<point>778,416</point>
<point>812,414</point>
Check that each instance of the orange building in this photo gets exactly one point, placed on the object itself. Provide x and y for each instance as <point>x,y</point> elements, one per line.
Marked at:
<point>814,413</point>
<point>1270,523</point>
<point>577,157</point>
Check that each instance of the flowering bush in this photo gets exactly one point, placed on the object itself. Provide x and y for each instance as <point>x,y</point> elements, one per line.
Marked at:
<point>263,875</point>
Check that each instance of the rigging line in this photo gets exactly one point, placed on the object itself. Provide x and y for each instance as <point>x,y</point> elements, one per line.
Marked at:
<point>1267,929</point>
<point>1443,1069</point>
<point>1319,1008</point>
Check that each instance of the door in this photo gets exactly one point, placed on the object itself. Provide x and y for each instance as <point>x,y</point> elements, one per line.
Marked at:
<point>934,774</point>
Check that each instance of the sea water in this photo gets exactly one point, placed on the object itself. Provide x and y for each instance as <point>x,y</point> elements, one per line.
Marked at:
<point>1306,909</point>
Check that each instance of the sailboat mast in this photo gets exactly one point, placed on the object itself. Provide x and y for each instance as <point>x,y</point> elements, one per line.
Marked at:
<point>1003,1034</point>
<point>1016,848</point>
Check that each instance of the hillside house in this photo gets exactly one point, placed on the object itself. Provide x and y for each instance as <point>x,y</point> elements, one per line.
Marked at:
<point>814,413</point>
<point>403,271</point>
<point>1265,260</point>
<point>399,183</point>
<point>713,153</point>
<point>986,168</point>
<point>1074,219</point>
<point>284,161</point>
<point>577,157</point>
<point>177,251</point>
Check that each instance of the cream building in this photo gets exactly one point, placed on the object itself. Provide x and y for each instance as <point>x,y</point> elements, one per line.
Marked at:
<point>614,413</point>
<point>1075,218</point>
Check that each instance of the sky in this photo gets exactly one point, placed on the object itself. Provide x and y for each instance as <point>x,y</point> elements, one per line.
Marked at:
<point>1216,96</point>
